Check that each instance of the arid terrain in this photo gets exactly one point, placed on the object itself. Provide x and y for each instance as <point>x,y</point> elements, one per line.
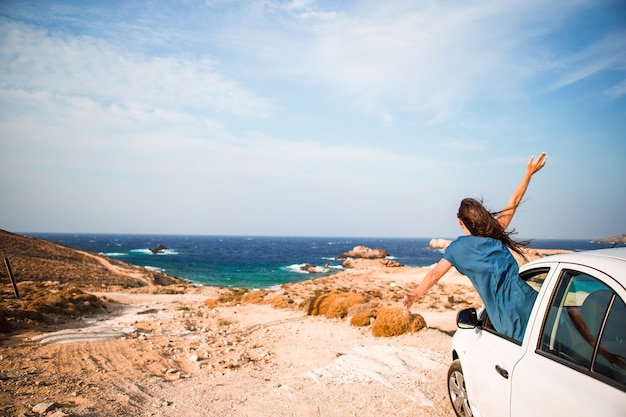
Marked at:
<point>90,336</point>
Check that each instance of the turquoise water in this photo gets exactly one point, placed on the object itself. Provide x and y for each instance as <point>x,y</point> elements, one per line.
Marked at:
<point>258,261</point>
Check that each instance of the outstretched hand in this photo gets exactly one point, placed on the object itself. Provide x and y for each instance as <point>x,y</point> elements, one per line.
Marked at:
<point>535,165</point>
<point>408,301</point>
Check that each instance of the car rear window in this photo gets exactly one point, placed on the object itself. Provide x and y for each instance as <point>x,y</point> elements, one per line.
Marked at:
<point>585,327</point>
<point>611,359</point>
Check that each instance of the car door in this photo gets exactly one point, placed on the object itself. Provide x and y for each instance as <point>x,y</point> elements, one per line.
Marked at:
<point>487,382</point>
<point>493,358</point>
<point>564,373</point>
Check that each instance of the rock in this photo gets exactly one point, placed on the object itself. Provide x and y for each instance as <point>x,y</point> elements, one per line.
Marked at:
<point>158,249</point>
<point>312,269</point>
<point>43,408</point>
<point>362,257</point>
<point>370,263</point>
<point>439,243</point>
<point>363,252</point>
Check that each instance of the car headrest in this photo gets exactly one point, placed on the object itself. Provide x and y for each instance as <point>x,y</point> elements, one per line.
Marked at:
<point>594,309</point>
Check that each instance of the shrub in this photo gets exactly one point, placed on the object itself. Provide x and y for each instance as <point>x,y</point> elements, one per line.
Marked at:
<point>341,303</point>
<point>361,319</point>
<point>253,297</point>
<point>334,304</point>
<point>362,314</point>
<point>281,301</point>
<point>394,321</point>
<point>233,296</point>
<point>71,301</point>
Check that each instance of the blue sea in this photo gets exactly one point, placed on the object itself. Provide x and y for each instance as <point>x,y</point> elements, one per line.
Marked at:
<point>258,261</point>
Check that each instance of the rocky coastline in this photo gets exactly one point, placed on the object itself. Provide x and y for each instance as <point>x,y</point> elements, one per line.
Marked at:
<point>91,336</point>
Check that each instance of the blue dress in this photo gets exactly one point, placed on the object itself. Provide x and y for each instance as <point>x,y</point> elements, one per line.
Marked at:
<point>494,273</point>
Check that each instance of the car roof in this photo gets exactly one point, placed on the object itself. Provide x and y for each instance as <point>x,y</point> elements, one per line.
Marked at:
<point>610,261</point>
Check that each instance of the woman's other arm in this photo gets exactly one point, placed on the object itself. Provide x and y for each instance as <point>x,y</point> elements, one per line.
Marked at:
<point>429,280</point>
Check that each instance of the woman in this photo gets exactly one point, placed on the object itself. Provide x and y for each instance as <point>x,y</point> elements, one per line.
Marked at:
<point>483,255</point>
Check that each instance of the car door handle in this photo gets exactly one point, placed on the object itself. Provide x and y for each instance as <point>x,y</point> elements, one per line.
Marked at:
<point>502,371</point>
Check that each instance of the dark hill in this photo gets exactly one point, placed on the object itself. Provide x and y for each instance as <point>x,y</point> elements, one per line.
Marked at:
<point>43,261</point>
<point>53,280</point>
<point>612,239</point>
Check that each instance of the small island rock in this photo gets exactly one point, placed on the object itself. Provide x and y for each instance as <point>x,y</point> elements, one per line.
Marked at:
<point>362,257</point>
<point>363,252</point>
<point>370,263</point>
<point>312,269</point>
<point>439,243</point>
<point>158,249</point>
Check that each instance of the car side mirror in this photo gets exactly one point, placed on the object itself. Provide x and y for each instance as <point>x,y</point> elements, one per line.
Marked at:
<point>467,318</point>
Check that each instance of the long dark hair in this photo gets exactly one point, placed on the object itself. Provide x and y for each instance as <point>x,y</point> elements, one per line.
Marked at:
<point>481,222</point>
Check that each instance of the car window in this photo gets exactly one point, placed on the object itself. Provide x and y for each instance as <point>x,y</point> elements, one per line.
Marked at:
<point>535,277</point>
<point>611,359</point>
<point>576,320</point>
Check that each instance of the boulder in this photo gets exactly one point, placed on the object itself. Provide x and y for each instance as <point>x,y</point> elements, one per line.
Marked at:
<point>362,257</point>
<point>439,243</point>
<point>312,269</point>
<point>363,252</point>
<point>370,263</point>
<point>158,249</point>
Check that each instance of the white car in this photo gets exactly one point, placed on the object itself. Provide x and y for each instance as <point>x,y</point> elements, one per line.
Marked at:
<point>572,360</point>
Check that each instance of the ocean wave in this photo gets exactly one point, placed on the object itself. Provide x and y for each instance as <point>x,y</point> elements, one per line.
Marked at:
<point>167,252</point>
<point>154,268</point>
<point>113,254</point>
<point>346,242</point>
<point>298,268</point>
<point>145,251</point>
<point>142,251</point>
<point>273,287</point>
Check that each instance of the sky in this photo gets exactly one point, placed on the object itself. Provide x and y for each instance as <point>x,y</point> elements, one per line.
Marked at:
<point>311,118</point>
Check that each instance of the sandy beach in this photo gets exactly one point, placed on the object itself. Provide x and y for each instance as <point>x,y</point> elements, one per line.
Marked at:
<point>182,350</point>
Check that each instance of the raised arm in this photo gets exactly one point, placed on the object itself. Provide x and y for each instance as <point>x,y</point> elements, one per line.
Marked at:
<point>509,210</point>
<point>429,280</point>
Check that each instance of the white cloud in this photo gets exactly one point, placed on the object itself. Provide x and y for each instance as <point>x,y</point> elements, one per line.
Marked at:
<point>37,60</point>
<point>608,54</point>
<point>79,136</point>
<point>616,91</point>
<point>431,59</point>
